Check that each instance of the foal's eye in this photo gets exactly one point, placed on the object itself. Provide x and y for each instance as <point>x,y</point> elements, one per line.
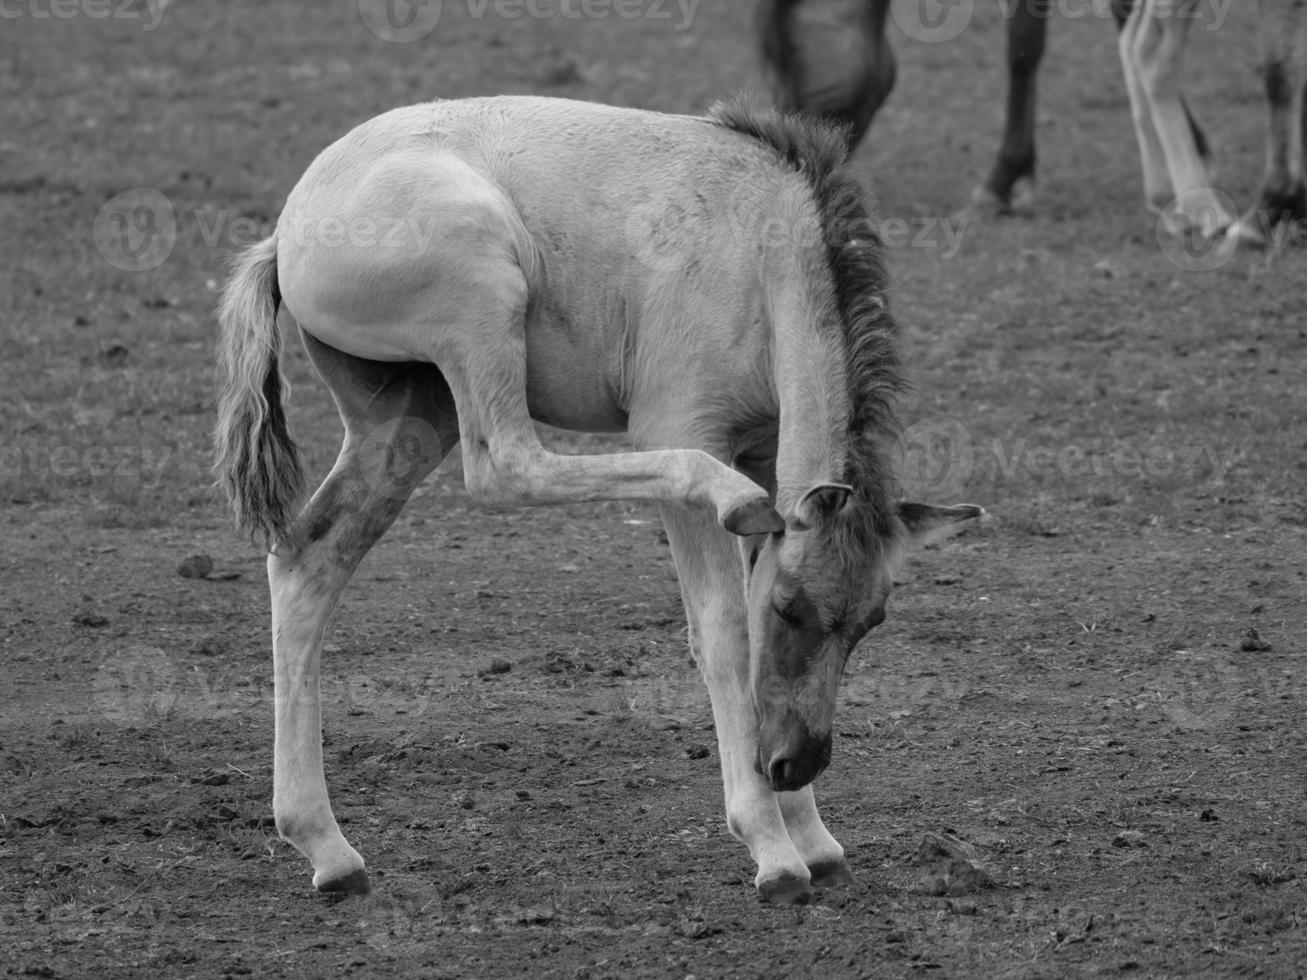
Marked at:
<point>788,617</point>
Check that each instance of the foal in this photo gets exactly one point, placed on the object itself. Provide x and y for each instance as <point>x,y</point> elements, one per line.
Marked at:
<point>714,287</point>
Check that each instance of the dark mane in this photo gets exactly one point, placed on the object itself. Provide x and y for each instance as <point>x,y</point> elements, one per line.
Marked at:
<point>855,257</point>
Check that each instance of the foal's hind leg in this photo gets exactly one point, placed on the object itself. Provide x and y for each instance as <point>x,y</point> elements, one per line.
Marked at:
<point>399,423</point>
<point>504,463</point>
<point>1283,199</point>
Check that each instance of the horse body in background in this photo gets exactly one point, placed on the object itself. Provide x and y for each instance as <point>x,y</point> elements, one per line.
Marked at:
<point>830,58</point>
<point>714,287</point>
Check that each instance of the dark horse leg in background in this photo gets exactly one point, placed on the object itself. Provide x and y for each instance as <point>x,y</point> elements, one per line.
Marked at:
<point>1027,29</point>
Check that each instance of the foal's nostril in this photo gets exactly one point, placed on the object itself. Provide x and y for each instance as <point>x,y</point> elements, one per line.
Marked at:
<point>795,765</point>
<point>780,773</point>
<point>787,773</point>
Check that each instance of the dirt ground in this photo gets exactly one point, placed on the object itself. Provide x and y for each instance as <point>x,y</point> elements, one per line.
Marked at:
<point>1101,688</point>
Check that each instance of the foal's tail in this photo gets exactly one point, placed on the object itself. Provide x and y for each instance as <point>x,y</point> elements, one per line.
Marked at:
<point>257,462</point>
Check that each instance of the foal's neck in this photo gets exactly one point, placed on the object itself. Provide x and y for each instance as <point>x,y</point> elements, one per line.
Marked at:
<point>810,369</point>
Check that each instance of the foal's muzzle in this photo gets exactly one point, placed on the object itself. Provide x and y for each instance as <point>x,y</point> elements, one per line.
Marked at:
<point>795,758</point>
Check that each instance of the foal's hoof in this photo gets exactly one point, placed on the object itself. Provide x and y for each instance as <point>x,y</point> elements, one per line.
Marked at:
<point>755,517</point>
<point>832,874</point>
<point>354,883</point>
<point>785,889</point>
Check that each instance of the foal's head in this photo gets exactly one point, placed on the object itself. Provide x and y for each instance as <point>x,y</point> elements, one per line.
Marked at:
<point>818,586</point>
<point>814,591</point>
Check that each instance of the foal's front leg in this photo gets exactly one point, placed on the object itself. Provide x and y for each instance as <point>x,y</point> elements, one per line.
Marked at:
<point>713,589</point>
<point>821,852</point>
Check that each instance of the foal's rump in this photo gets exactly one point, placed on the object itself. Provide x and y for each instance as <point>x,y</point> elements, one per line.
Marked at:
<point>387,247</point>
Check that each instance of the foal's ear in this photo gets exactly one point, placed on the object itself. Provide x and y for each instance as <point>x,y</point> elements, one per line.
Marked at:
<point>926,523</point>
<point>823,501</point>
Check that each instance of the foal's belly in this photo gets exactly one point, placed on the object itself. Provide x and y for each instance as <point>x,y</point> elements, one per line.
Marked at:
<point>572,382</point>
